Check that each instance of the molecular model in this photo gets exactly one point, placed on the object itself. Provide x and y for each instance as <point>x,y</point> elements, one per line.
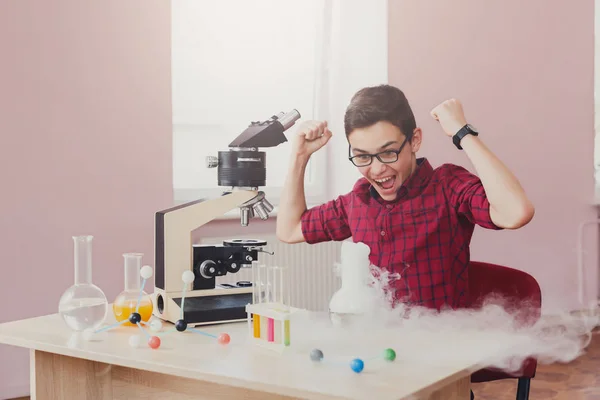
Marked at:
<point>356,364</point>
<point>155,326</point>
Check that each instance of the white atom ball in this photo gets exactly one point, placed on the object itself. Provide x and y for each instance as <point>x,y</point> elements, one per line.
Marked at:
<point>146,272</point>
<point>134,341</point>
<point>155,325</point>
<point>187,277</point>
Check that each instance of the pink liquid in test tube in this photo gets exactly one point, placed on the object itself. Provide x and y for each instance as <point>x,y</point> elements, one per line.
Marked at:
<point>271,330</point>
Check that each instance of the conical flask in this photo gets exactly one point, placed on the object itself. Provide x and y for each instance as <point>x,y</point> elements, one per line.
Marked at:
<point>356,296</point>
<point>133,298</point>
<point>83,306</point>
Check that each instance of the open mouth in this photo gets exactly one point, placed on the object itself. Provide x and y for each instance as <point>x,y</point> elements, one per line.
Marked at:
<point>386,183</point>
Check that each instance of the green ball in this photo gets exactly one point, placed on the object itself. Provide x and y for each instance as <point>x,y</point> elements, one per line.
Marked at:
<point>389,354</point>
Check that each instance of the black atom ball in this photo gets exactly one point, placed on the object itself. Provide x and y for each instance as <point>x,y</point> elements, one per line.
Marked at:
<point>181,325</point>
<point>134,318</point>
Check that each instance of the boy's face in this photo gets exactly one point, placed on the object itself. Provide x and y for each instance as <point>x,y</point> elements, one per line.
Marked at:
<point>386,178</point>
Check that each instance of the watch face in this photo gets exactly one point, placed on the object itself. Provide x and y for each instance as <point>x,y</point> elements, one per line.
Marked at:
<point>471,127</point>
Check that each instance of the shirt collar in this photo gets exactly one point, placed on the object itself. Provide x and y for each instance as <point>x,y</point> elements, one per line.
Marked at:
<point>411,187</point>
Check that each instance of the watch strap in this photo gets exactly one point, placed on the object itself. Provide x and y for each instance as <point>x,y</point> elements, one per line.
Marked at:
<point>462,132</point>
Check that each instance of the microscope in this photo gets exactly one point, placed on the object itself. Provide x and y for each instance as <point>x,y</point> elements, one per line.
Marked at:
<point>242,170</point>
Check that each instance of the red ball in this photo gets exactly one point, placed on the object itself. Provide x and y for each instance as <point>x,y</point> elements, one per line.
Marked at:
<point>154,342</point>
<point>224,338</point>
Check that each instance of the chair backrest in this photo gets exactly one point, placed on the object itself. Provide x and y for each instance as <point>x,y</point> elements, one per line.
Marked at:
<point>520,292</point>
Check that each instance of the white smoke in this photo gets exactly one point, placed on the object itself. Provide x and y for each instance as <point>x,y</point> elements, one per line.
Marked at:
<point>363,322</point>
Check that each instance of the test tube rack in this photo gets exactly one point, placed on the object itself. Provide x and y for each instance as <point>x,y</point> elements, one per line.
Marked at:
<point>270,314</point>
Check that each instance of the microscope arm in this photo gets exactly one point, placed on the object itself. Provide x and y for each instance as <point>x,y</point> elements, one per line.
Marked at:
<point>243,169</point>
<point>174,226</point>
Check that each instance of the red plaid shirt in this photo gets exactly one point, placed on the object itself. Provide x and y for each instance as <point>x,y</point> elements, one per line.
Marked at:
<point>424,234</point>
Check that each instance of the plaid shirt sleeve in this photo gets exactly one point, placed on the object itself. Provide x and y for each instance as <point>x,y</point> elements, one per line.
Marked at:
<point>326,222</point>
<point>468,197</point>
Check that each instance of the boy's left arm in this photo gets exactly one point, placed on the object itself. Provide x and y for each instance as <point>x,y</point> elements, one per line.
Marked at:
<point>509,205</point>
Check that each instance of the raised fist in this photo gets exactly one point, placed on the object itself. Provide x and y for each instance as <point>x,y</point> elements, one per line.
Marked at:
<point>311,136</point>
<point>450,115</point>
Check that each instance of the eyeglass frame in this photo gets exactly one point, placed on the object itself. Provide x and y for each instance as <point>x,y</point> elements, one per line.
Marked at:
<point>377,155</point>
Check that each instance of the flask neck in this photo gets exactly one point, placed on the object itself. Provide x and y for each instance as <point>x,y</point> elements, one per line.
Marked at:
<point>83,259</point>
<point>133,263</point>
<point>355,274</point>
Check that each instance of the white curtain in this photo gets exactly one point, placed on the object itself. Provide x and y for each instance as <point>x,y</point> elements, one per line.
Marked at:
<point>355,48</point>
<point>270,56</point>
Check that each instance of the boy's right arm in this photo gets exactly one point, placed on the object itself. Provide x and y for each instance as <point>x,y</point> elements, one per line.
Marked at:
<point>312,135</point>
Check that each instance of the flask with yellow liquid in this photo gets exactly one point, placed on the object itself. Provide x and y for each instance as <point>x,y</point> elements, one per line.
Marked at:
<point>133,298</point>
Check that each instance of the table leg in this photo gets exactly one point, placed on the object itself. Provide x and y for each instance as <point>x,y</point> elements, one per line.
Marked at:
<point>55,376</point>
<point>59,377</point>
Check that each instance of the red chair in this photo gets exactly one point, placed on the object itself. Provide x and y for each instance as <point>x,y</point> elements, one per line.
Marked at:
<point>516,287</point>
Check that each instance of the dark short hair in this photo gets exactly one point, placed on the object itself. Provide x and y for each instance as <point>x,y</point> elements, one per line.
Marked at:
<point>379,103</point>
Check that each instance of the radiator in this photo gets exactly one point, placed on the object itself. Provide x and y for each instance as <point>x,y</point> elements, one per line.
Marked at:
<point>311,269</point>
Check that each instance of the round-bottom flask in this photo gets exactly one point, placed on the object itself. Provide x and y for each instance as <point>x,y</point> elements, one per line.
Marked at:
<point>83,306</point>
<point>133,298</point>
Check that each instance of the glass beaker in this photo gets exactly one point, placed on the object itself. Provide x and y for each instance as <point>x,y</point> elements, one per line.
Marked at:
<point>83,306</point>
<point>133,298</point>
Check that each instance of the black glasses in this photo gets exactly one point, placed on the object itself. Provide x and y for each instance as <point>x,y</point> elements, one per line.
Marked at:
<point>386,156</point>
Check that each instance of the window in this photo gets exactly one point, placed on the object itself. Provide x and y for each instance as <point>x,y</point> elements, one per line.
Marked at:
<point>234,62</point>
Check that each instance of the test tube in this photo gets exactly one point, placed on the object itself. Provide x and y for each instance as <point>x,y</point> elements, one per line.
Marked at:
<point>278,286</point>
<point>261,284</point>
<point>255,282</point>
<point>272,284</point>
<point>269,288</point>
<point>284,287</point>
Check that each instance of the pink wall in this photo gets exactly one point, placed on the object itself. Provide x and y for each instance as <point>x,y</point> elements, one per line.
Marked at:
<point>524,71</point>
<point>86,124</point>
<point>85,116</point>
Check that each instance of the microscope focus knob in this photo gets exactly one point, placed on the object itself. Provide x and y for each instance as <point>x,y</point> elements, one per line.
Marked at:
<point>234,267</point>
<point>212,162</point>
<point>208,269</point>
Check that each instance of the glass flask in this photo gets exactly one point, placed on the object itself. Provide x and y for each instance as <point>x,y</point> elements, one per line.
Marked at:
<point>356,296</point>
<point>83,306</point>
<point>133,298</point>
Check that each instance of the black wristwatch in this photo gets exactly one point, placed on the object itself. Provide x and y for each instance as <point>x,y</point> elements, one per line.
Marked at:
<point>462,132</point>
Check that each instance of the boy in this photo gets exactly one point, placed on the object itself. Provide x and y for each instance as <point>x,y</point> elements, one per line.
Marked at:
<point>418,221</point>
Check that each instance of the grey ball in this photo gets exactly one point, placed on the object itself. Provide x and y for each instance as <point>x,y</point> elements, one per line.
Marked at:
<point>316,355</point>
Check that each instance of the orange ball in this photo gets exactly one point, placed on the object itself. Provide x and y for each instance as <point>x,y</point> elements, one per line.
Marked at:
<point>154,342</point>
<point>224,338</point>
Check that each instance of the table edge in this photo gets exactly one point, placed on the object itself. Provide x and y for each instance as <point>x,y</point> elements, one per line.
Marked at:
<point>174,370</point>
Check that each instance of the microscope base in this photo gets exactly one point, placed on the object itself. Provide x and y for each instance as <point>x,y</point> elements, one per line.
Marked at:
<point>215,309</point>
<point>218,306</point>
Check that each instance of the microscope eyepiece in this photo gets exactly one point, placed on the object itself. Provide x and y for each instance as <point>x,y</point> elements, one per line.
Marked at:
<point>289,119</point>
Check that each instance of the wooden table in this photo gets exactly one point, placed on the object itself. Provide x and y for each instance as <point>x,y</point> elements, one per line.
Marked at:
<point>65,365</point>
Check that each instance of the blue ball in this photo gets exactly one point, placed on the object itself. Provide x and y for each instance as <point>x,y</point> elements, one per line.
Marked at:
<point>357,365</point>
